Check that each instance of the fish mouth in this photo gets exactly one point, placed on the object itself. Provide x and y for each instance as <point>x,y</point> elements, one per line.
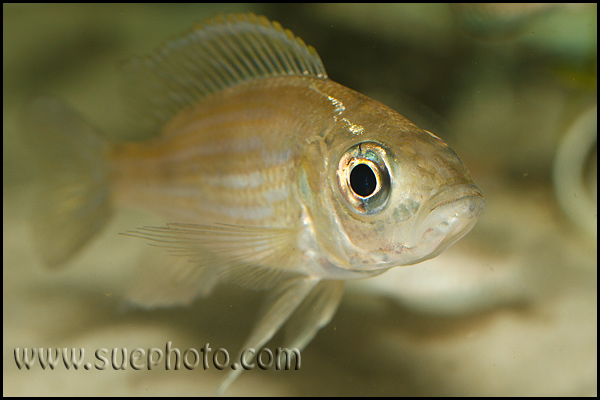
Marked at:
<point>447,217</point>
<point>441,221</point>
<point>454,194</point>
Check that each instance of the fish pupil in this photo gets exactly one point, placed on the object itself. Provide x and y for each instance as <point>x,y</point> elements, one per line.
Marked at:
<point>363,180</point>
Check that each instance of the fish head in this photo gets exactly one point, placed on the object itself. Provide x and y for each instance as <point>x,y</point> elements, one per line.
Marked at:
<point>392,195</point>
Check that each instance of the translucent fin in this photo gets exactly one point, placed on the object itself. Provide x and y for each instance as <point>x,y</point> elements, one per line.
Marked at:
<point>279,306</point>
<point>74,201</point>
<point>253,257</point>
<point>164,281</point>
<point>315,312</point>
<point>225,51</point>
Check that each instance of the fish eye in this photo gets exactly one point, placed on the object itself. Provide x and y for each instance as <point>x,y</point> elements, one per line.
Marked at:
<point>363,178</point>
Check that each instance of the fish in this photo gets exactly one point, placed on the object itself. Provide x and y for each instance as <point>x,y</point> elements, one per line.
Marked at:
<point>267,173</point>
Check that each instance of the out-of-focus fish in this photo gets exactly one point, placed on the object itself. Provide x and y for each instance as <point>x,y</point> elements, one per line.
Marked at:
<point>272,176</point>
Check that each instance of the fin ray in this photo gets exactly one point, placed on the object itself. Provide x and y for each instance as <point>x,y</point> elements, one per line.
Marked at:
<point>165,281</point>
<point>223,52</point>
<point>250,256</point>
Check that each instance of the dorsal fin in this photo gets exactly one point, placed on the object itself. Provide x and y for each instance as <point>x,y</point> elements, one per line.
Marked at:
<point>225,51</point>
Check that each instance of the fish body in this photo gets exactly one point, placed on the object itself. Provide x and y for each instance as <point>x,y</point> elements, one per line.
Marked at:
<point>241,156</point>
<point>270,175</point>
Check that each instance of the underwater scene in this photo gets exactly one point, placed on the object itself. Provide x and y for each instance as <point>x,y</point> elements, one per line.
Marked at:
<point>404,193</point>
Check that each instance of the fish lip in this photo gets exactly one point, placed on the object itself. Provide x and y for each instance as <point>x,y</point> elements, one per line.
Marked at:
<point>449,215</point>
<point>453,194</point>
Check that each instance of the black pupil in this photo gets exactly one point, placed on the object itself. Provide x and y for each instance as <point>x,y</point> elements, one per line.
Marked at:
<point>363,180</point>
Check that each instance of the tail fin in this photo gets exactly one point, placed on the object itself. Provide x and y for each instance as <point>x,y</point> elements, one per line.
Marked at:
<point>73,203</point>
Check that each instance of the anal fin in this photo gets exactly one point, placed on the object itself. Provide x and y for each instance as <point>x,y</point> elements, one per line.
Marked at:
<point>253,257</point>
<point>163,280</point>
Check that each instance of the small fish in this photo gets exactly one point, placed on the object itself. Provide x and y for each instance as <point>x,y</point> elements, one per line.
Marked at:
<point>271,175</point>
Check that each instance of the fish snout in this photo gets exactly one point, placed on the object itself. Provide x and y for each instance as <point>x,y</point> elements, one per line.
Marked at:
<point>448,216</point>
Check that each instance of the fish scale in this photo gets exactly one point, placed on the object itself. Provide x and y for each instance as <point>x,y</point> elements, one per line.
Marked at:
<point>247,144</point>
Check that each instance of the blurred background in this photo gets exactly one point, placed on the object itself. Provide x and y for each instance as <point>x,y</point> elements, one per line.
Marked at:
<point>511,309</point>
